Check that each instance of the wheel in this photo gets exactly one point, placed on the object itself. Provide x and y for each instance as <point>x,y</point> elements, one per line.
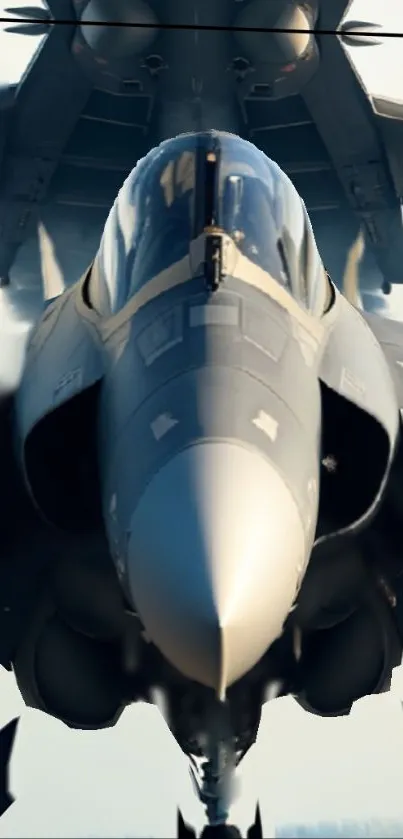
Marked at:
<point>221,831</point>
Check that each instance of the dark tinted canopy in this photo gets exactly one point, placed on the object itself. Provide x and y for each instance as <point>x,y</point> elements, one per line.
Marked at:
<point>200,181</point>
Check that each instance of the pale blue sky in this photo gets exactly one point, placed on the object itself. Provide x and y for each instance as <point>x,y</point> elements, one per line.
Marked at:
<point>302,768</point>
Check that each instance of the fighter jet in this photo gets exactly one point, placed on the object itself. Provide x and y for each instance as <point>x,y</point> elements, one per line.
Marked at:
<point>201,471</point>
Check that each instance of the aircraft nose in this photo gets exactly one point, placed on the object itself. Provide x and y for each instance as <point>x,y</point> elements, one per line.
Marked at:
<point>216,551</point>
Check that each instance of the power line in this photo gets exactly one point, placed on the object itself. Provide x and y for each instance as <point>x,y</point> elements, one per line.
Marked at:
<point>190,27</point>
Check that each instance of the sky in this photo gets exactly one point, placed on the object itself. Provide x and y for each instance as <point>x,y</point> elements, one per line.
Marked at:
<point>302,768</point>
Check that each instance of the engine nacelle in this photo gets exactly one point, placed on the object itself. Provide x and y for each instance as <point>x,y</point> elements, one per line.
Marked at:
<point>348,639</point>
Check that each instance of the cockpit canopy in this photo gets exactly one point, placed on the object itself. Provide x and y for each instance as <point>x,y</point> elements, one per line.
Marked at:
<point>201,182</point>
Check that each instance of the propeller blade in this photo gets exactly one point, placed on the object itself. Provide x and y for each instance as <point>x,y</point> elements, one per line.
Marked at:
<point>7,736</point>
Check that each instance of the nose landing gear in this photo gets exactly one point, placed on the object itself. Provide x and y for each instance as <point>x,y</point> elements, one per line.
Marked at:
<point>215,781</point>
<point>220,831</point>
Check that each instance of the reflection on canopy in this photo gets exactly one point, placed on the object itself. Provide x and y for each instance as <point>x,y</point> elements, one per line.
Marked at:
<point>204,182</point>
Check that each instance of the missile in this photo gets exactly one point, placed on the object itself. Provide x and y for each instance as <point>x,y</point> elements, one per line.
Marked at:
<point>354,33</point>
<point>34,21</point>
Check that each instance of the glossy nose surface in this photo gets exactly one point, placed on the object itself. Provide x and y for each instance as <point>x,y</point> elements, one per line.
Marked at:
<point>216,551</point>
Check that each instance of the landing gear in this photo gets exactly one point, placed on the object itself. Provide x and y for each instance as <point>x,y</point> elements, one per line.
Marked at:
<point>214,781</point>
<point>220,831</point>
<point>217,831</point>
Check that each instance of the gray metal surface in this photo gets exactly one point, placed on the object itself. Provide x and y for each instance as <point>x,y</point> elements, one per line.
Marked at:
<point>209,426</point>
<point>194,403</point>
<point>216,551</point>
<point>89,107</point>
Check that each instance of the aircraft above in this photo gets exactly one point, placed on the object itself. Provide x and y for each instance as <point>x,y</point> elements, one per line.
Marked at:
<point>201,473</point>
<point>96,99</point>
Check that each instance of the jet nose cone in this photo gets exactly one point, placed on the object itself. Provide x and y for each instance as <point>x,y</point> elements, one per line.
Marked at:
<point>216,551</point>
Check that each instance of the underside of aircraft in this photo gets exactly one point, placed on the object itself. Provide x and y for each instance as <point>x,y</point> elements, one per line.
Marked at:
<point>95,99</point>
